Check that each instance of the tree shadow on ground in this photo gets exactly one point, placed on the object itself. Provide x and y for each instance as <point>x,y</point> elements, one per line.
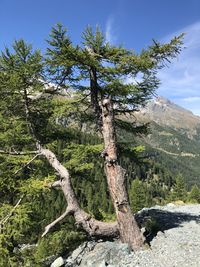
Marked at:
<point>155,220</point>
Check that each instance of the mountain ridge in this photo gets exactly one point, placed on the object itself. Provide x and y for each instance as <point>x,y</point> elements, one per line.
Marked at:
<point>165,112</point>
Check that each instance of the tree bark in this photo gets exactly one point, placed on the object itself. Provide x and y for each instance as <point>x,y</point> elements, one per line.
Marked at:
<point>128,228</point>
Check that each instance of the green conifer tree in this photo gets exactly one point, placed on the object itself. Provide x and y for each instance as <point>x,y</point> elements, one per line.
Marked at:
<point>138,195</point>
<point>103,73</point>
<point>179,190</point>
<point>194,194</point>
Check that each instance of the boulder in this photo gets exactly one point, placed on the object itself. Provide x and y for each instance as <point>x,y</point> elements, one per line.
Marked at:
<point>101,254</point>
<point>105,254</point>
<point>58,262</point>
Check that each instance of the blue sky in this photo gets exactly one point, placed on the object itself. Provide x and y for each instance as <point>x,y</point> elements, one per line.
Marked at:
<point>132,23</point>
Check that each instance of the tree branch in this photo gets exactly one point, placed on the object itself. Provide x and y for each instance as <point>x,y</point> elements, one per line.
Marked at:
<point>49,226</point>
<point>92,226</point>
<point>27,163</point>
<point>18,153</point>
<point>6,218</point>
<point>55,184</point>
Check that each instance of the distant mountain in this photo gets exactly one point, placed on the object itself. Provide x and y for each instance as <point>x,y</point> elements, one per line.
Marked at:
<point>166,113</point>
<point>174,137</point>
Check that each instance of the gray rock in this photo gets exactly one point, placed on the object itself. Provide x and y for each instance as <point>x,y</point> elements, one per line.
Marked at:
<point>106,254</point>
<point>58,262</point>
<point>77,255</point>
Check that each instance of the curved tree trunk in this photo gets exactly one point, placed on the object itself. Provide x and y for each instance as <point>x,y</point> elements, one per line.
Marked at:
<point>128,228</point>
<point>92,226</point>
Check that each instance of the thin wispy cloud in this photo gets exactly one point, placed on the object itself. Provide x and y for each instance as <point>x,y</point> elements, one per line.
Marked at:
<point>181,81</point>
<point>110,31</point>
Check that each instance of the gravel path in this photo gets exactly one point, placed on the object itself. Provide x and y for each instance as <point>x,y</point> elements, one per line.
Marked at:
<point>179,243</point>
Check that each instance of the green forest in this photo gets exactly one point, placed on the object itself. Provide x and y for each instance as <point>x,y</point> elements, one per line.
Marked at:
<point>45,101</point>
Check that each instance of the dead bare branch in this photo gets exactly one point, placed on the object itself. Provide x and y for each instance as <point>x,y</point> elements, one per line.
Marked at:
<point>90,225</point>
<point>18,153</point>
<point>29,162</point>
<point>55,184</point>
<point>49,226</point>
<point>6,218</point>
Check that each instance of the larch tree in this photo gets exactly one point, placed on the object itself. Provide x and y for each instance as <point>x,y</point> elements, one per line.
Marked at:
<point>179,191</point>
<point>115,81</point>
<point>104,82</point>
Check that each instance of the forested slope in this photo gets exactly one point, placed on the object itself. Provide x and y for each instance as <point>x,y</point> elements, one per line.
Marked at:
<point>173,138</point>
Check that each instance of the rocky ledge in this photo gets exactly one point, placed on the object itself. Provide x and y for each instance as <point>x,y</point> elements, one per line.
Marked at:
<point>172,233</point>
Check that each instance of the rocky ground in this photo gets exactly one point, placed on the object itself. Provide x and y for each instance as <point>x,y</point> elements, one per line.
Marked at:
<point>173,233</point>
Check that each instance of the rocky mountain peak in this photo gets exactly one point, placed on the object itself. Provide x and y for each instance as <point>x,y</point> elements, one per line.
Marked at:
<point>165,112</point>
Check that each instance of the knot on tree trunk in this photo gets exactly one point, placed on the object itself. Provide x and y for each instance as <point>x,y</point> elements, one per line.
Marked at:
<point>122,206</point>
<point>104,153</point>
<point>111,161</point>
